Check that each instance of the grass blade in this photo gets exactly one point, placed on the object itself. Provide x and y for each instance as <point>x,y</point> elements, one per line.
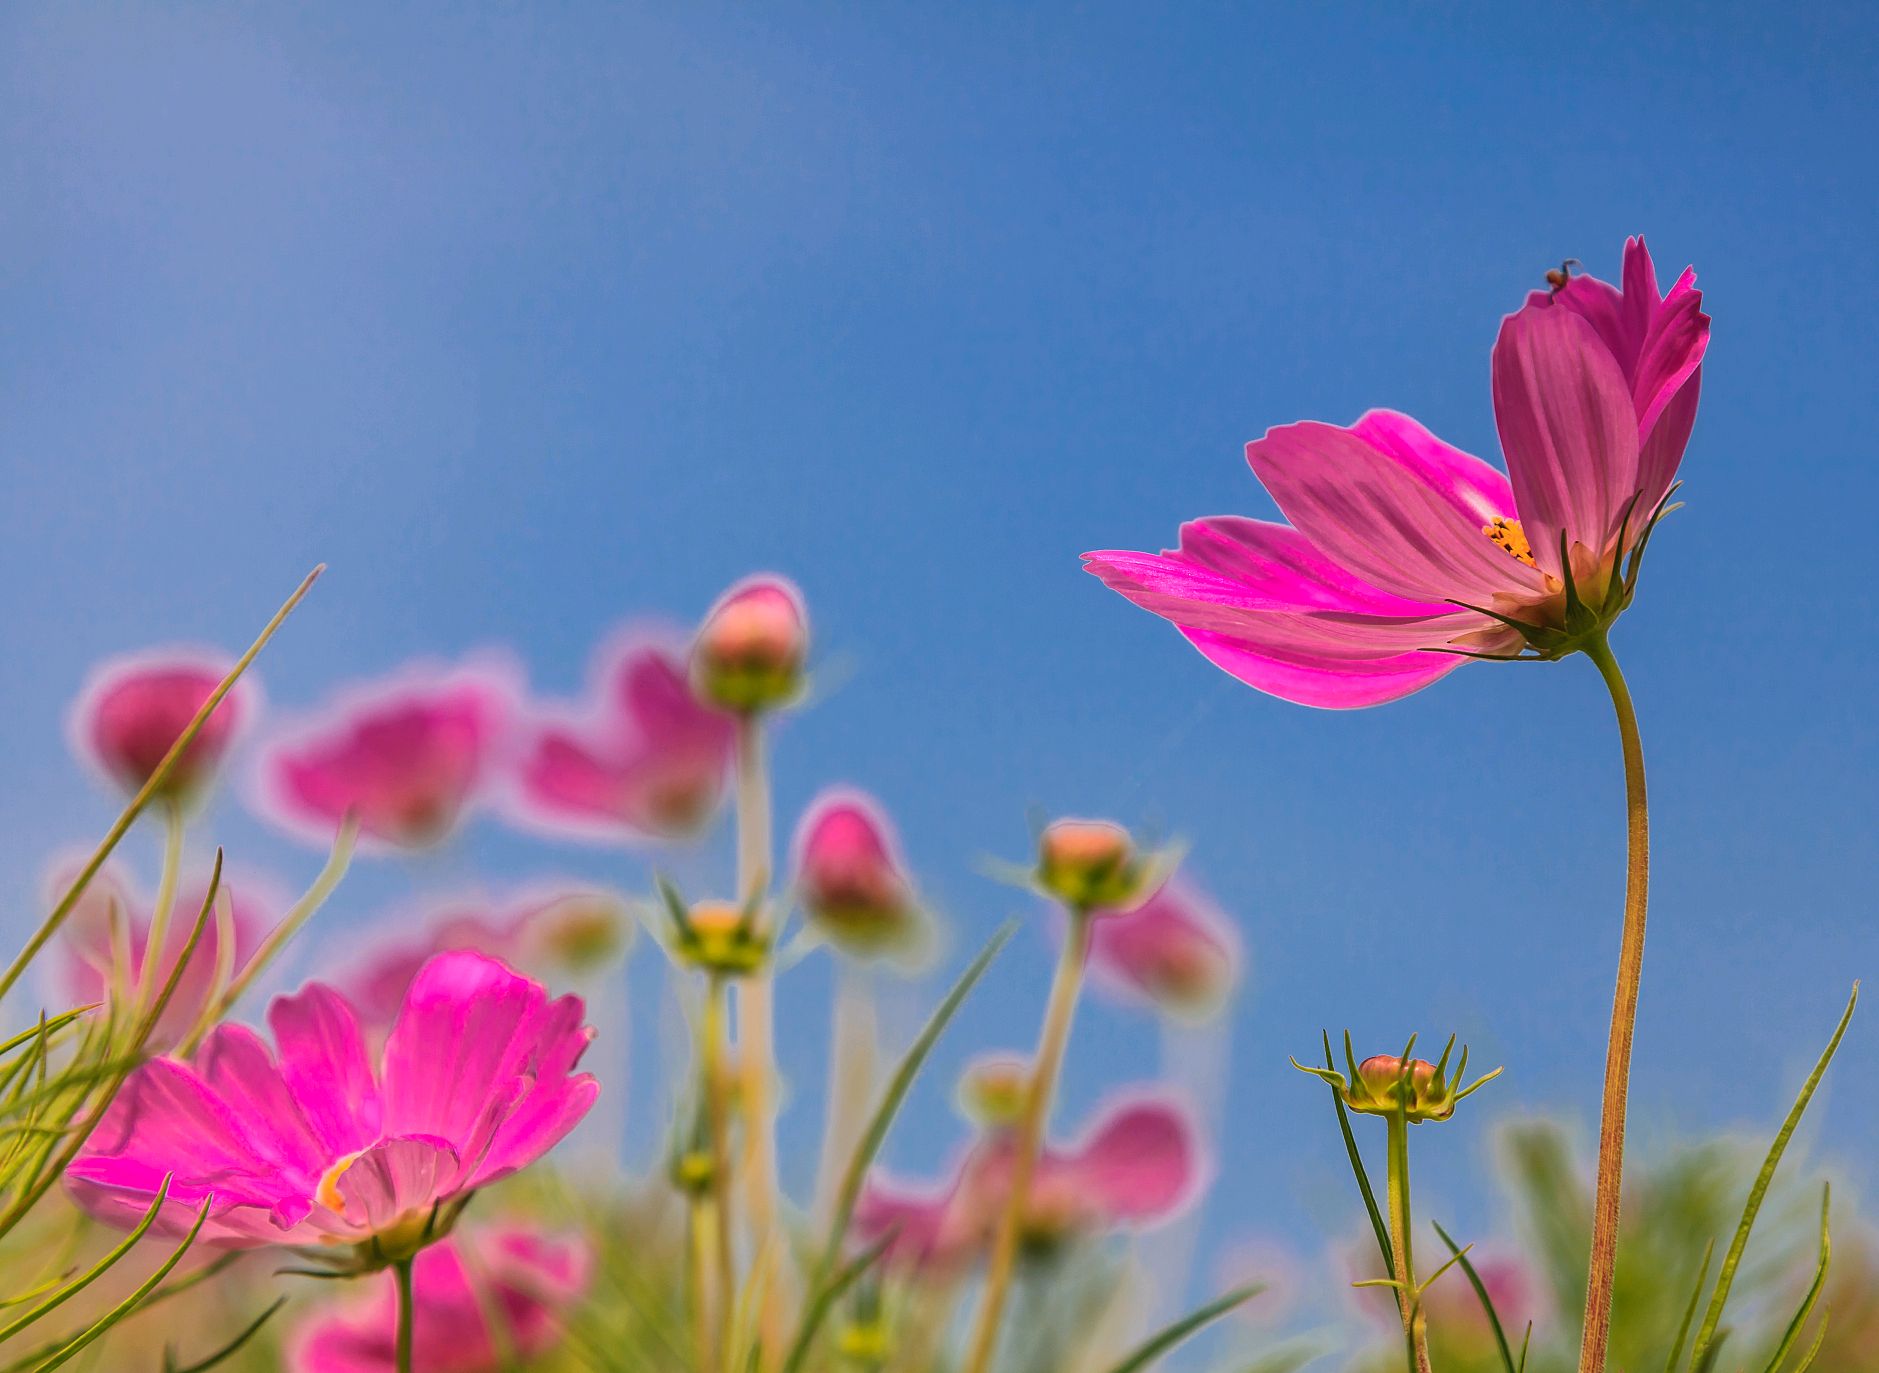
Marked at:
<point>233,1347</point>
<point>1357,1169</point>
<point>1689,1312</point>
<point>823,1298</point>
<point>1733,1258</point>
<point>1793,1333</point>
<point>1481,1294</point>
<point>96,1271</point>
<point>1167,1338</point>
<point>117,1313</point>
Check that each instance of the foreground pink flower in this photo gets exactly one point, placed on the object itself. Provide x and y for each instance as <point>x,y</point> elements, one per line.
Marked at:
<point>1405,556</point>
<point>528,1280</point>
<point>1138,1163</point>
<point>408,757</point>
<point>133,710</point>
<point>85,942</point>
<point>567,929</point>
<point>1175,951</point>
<point>849,873</point>
<point>643,759</point>
<point>317,1144</point>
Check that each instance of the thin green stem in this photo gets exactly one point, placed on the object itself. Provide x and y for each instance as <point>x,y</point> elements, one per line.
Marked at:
<point>718,1116</point>
<point>406,1309</point>
<point>1409,1300</point>
<point>1611,1133</point>
<point>1055,1036</point>
<point>150,975</point>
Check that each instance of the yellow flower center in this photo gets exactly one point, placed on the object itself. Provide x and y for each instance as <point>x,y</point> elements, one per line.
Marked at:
<point>327,1193</point>
<point>1510,536</point>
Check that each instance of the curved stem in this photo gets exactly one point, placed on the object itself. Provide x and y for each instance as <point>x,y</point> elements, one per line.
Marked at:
<point>718,1113</point>
<point>151,973</point>
<point>1611,1133</point>
<point>1058,1015</point>
<point>1408,1299</point>
<point>405,1307</point>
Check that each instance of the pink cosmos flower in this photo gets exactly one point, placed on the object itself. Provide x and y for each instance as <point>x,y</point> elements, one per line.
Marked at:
<point>1175,951</point>
<point>527,1279</point>
<point>849,873</point>
<point>569,927</point>
<point>85,941</point>
<point>318,1143</point>
<point>1405,556</point>
<point>1138,1163</point>
<point>645,759</point>
<point>409,757</point>
<point>132,710</point>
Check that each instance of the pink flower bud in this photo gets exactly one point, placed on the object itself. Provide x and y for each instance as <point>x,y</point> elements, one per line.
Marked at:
<point>1088,864</point>
<point>849,873</point>
<point>134,709</point>
<point>749,652</point>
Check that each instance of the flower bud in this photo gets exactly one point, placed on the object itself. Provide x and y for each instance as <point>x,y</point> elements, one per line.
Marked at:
<point>749,652</point>
<point>134,711</point>
<point>580,931</point>
<point>1087,864</point>
<point>849,876</point>
<point>992,1090</point>
<point>1398,1085</point>
<point>720,938</point>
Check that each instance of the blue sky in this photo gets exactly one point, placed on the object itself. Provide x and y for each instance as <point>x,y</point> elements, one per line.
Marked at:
<point>530,320</point>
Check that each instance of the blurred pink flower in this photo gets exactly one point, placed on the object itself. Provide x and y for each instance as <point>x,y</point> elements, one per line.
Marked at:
<point>849,873</point>
<point>1454,1311</point>
<point>410,757</point>
<point>84,940</point>
<point>565,928</point>
<point>750,648</point>
<point>1399,544</point>
<point>1139,1162</point>
<point>645,759</point>
<point>528,1279</point>
<point>132,710</point>
<point>321,1145</point>
<point>1175,951</point>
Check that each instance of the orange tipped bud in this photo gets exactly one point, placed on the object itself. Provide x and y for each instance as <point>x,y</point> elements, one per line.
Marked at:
<point>1089,864</point>
<point>750,650</point>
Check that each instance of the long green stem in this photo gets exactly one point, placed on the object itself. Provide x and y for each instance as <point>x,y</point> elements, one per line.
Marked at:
<point>1408,1298</point>
<point>756,1045</point>
<point>1611,1133</point>
<point>406,1308</point>
<point>150,975</point>
<point>1058,1015</point>
<point>718,1114</point>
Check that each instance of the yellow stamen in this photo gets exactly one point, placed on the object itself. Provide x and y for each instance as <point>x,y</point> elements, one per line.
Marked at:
<point>327,1193</point>
<point>1510,536</point>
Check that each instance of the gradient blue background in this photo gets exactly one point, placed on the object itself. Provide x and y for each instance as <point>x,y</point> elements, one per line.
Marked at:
<point>528,321</point>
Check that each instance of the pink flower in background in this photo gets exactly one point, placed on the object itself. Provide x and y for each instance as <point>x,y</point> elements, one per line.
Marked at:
<point>849,874</point>
<point>1455,1311</point>
<point>318,1143</point>
<point>646,759</point>
<point>569,928</point>
<point>1403,553</point>
<point>132,710</point>
<point>410,757</point>
<point>1138,1163</point>
<point>529,1280</point>
<point>84,940</point>
<point>751,647</point>
<point>1175,951</point>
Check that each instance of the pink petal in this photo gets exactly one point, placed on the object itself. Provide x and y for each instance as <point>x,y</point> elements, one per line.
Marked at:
<point>394,1178</point>
<point>922,1221</point>
<point>324,1065</point>
<point>1140,1162</point>
<point>1175,950</point>
<point>1567,428</point>
<point>1406,517</point>
<point>1332,684</point>
<point>237,1066</point>
<point>132,711</point>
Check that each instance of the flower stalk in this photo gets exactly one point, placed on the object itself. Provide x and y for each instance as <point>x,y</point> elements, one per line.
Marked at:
<point>406,1310</point>
<point>1408,1296</point>
<point>1055,1036</point>
<point>718,1116</point>
<point>1611,1135</point>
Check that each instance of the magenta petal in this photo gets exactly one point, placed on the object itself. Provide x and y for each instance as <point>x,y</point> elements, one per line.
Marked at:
<point>1140,1162</point>
<point>324,1064</point>
<point>237,1066</point>
<point>921,1221</point>
<point>1407,519</point>
<point>1332,684</point>
<point>394,1178</point>
<point>1567,428</point>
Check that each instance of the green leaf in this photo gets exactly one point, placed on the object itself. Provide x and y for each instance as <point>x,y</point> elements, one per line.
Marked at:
<point>46,1027</point>
<point>1689,1312</point>
<point>1357,1169</point>
<point>1733,1258</point>
<point>869,1144</point>
<point>825,1294</point>
<point>1793,1333</point>
<point>1161,1342</point>
<point>1481,1294</point>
